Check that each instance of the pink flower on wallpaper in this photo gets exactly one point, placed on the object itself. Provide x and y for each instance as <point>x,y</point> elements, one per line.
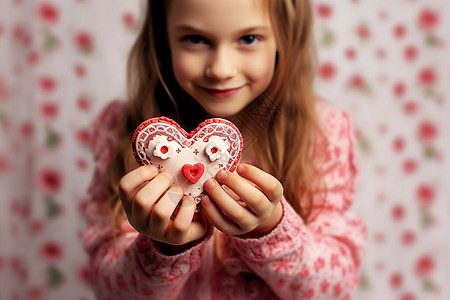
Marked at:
<point>399,31</point>
<point>48,12</point>
<point>51,251</point>
<point>4,91</point>
<point>82,164</point>
<point>362,31</point>
<point>47,84</point>
<point>380,53</point>
<point>26,129</point>
<point>425,194</point>
<point>424,266</point>
<point>398,212</point>
<point>49,110</point>
<point>407,296</point>
<point>324,11</point>
<point>83,136</point>
<point>410,107</point>
<point>408,237</point>
<point>80,70</point>
<point>33,57</point>
<point>36,227</point>
<point>350,53</point>
<point>35,293</point>
<point>327,71</point>
<point>84,42</point>
<point>128,19</point>
<point>399,89</point>
<point>19,33</point>
<point>4,164</point>
<point>83,103</point>
<point>396,280</point>
<point>410,53</point>
<point>50,181</point>
<point>409,166</point>
<point>428,20</point>
<point>84,274</point>
<point>357,82</point>
<point>427,77</point>
<point>427,132</point>
<point>398,144</point>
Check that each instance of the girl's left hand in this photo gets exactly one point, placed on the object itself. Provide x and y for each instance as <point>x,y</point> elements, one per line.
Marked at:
<point>260,194</point>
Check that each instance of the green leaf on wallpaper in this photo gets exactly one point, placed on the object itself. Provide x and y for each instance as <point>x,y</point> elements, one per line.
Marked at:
<point>54,276</point>
<point>430,93</point>
<point>53,209</point>
<point>364,283</point>
<point>327,39</point>
<point>51,42</point>
<point>53,138</point>
<point>426,219</point>
<point>364,146</point>
<point>428,285</point>
<point>3,117</point>
<point>429,152</point>
<point>431,40</point>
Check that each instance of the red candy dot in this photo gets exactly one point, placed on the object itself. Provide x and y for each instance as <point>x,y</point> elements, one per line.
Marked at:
<point>213,150</point>
<point>164,149</point>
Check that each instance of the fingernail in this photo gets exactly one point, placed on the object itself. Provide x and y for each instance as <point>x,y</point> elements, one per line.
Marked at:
<point>241,168</point>
<point>209,184</point>
<point>221,175</point>
<point>205,200</point>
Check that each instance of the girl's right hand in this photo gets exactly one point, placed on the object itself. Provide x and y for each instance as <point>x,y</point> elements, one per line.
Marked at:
<point>150,199</point>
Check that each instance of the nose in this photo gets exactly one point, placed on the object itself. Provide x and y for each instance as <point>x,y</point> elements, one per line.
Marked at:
<point>222,64</point>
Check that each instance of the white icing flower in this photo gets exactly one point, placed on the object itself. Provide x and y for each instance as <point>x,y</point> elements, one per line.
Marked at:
<point>163,148</point>
<point>216,148</point>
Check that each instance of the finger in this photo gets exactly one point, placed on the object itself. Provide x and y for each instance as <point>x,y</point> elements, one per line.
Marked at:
<point>268,184</point>
<point>227,204</point>
<point>130,183</point>
<point>163,210</point>
<point>147,197</point>
<point>247,191</point>
<point>179,228</point>
<point>234,196</point>
<point>217,218</point>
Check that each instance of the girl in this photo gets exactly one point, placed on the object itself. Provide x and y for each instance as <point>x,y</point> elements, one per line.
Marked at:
<point>280,227</point>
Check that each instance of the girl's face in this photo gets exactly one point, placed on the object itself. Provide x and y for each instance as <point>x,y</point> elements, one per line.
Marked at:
<point>223,51</point>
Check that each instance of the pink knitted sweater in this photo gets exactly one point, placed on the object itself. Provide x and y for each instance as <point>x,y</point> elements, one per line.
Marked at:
<point>320,260</point>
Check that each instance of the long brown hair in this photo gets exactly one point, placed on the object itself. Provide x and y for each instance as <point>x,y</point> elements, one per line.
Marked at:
<point>285,136</point>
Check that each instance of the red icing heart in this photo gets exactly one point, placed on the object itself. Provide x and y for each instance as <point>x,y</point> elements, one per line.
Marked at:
<point>191,158</point>
<point>193,172</point>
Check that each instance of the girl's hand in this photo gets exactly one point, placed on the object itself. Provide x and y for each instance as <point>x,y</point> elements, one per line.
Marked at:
<point>247,205</point>
<point>152,204</point>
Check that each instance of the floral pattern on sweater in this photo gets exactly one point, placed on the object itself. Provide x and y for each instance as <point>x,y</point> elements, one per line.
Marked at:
<point>318,260</point>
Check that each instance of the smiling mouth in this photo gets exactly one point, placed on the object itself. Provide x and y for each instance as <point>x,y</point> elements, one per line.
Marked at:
<point>225,93</point>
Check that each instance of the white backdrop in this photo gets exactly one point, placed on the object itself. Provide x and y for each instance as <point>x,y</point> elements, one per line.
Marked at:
<point>387,61</point>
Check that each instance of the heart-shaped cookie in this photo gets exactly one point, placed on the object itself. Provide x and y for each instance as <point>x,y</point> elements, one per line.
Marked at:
<point>191,158</point>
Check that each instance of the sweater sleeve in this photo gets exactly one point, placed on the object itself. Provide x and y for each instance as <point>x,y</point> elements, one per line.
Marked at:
<point>126,265</point>
<point>321,259</point>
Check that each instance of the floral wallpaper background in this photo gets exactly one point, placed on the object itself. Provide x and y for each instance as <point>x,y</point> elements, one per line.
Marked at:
<point>386,61</point>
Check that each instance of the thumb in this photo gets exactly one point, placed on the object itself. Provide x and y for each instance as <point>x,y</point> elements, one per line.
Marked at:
<point>200,229</point>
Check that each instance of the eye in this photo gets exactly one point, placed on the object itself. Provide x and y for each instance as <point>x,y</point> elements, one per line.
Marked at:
<point>249,39</point>
<point>195,39</point>
<point>216,148</point>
